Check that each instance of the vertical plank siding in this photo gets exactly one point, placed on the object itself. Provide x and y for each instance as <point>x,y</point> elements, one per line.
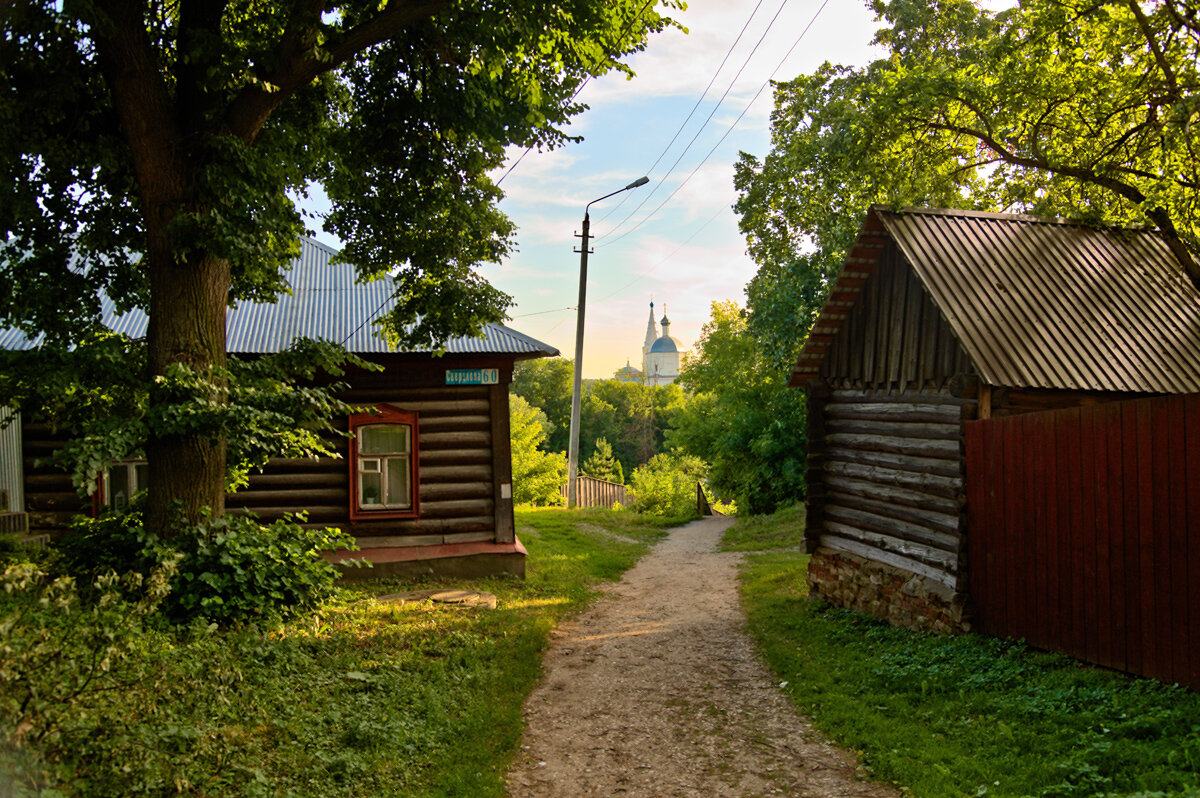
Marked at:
<point>1085,533</point>
<point>594,492</point>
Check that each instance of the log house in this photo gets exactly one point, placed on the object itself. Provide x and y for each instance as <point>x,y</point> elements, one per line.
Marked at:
<point>439,501</point>
<point>940,317</point>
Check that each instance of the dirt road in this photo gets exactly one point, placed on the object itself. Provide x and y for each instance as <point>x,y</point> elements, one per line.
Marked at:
<point>656,691</point>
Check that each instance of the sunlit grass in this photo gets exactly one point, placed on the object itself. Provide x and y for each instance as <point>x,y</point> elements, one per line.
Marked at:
<point>966,715</point>
<point>364,698</point>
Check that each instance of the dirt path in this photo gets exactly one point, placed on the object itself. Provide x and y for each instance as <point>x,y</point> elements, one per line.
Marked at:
<point>656,691</point>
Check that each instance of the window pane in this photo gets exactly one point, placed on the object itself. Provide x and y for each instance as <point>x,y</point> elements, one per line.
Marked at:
<point>118,487</point>
<point>370,489</point>
<point>379,438</point>
<point>141,477</point>
<point>398,482</point>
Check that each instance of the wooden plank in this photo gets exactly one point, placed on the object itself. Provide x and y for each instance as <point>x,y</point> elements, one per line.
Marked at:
<point>876,542</point>
<point>924,397</point>
<point>978,523</point>
<point>459,507</point>
<point>897,429</point>
<point>891,527</point>
<point>1038,510</point>
<point>1174,541</point>
<point>916,411</point>
<point>1080,543</point>
<point>1051,596</point>
<point>1161,619</point>
<point>899,307</point>
<point>455,490</point>
<point>942,523</point>
<point>473,423</point>
<point>916,447</point>
<point>1191,429</point>
<point>889,558</point>
<point>898,496</point>
<point>1101,592</point>
<point>456,473</point>
<point>924,465</point>
<point>455,440</point>
<point>910,369</point>
<point>300,497</point>
<point>476,456</point>
<point>1134,654</point>
<point>949,487</point>
<point>1117,492</point>
<point>1148,581</point>
<point>1016,539</point>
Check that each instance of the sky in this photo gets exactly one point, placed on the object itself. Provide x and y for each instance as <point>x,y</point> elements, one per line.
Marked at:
<point>689,253</point>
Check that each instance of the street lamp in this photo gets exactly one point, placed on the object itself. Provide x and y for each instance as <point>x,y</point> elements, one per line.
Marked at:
<point>573,446</point>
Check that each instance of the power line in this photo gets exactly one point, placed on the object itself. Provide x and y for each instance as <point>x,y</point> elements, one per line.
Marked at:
<point>725,134</point>
<point>692,112</point>
<point>711,114</point>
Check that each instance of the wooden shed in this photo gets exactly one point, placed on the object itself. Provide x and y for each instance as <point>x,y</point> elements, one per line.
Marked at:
<point>941,317</point>
<point>424,484</point>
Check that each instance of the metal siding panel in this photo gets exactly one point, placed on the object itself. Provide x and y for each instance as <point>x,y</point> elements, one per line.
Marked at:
<point>12,467</point>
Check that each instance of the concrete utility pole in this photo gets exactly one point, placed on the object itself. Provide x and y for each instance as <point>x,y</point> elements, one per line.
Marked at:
<point>573,445</point>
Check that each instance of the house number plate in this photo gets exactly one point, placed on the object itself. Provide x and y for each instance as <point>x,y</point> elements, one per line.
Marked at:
<point>472,376</point>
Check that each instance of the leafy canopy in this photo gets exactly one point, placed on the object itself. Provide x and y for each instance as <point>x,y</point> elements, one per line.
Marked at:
<point>137,132</point>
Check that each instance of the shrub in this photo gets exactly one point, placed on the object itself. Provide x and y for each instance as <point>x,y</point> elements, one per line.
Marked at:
<point>666,486</point>
<point>230,568</point>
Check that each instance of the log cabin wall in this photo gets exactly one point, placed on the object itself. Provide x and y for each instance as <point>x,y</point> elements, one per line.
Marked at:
<point>464,464</point>
<point>886,502</point>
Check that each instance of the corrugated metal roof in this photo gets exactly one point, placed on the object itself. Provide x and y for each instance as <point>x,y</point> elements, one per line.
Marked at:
<point>326,303</point>
<point>1047,303</point>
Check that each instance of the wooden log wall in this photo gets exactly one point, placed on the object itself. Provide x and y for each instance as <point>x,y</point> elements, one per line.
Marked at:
<point>894,336</point>
<point>465,466</point>
<point>886,478</point>
<point>456,470</point>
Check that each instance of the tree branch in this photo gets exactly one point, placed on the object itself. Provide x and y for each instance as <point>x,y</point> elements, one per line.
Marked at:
<point>1159,57</point>
<point>253,106</point>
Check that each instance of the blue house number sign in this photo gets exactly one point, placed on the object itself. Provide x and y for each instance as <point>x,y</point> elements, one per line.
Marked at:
<point>472,376</point>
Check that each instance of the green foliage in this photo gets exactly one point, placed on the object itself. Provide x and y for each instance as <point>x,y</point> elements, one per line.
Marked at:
<point>227,569</point>
<point>274,405</point>
<point>364,698</point>
<point>537,475</point>
<point>603,465</point>
<point>743,420</point>
<point>666,486</point>
<point>546,383</point>
<point>968,715</point>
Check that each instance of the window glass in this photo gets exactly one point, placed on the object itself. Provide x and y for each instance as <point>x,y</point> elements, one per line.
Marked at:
<point>380,438</point>
<point>119,489</point>
<point>398,482</point>
<point>370,486</point>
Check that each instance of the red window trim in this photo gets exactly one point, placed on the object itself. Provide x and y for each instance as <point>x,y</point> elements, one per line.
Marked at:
<point>387,414</point>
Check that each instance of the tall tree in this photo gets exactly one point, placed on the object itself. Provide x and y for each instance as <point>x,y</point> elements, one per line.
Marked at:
<point>546,383</point>
<point>744,420</point>
<point>537,474</point>
<point>150,150</point>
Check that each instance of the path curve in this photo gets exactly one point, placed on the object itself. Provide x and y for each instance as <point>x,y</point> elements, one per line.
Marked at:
<point>656,691</point>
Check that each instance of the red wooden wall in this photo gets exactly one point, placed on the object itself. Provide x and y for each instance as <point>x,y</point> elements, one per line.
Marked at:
<point>1084,533</point>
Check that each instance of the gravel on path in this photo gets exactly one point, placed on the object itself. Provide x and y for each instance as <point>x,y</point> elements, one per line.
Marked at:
<point>656,691</point>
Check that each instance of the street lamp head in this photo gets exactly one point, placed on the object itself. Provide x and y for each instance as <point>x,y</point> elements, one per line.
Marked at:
<point>641,181</point>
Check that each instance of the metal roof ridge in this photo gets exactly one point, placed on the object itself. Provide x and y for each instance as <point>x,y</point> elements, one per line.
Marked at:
<point>1002,216</point>
<point>528,339</point>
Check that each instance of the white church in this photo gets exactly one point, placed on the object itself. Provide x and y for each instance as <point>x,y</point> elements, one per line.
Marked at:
<point>660,355</point>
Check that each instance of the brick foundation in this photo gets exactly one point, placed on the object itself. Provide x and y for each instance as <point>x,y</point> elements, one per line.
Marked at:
<point>899,597</point>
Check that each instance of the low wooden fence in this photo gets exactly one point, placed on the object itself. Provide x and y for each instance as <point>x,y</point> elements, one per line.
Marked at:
<point>594,492</point>
<point>1084,533</point>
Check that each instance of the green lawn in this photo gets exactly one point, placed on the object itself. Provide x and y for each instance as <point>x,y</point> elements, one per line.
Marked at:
<point>361,699</point>
<point>964,715</point>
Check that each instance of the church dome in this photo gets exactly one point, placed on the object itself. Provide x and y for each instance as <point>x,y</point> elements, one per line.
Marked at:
<point>664,345</point>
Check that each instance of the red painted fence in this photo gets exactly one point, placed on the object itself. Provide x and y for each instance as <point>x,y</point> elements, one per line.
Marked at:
<point>1084,533</point>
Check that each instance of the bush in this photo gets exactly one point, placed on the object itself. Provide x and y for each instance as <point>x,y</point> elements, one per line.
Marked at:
<point>230,568</point>
<point>666,486</point>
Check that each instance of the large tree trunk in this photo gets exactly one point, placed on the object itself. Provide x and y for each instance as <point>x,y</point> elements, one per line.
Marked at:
<point>187,327</point>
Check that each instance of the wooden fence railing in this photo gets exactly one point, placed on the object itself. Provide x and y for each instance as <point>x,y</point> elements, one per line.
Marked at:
<point>594,492</point>
<point>1084,533</point>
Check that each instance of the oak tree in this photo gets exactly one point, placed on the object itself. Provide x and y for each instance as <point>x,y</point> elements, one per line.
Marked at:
<point>154,150</point>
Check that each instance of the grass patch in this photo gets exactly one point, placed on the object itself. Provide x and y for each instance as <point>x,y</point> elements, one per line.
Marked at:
<point>782,529</point>
<point>969,715</point>
<point>360,699</point>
